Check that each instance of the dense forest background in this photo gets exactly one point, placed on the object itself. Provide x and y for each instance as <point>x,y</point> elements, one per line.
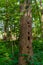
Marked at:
<point>10,17</point>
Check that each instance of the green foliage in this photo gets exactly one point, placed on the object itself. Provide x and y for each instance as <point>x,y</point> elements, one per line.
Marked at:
<point>12,8</point>
<point>38,45</point>
<point>6,57</point>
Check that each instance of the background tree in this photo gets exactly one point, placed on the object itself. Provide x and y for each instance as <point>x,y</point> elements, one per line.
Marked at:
<point>41,7</point>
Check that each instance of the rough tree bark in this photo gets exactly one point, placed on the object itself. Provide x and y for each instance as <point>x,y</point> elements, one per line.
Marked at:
<point>26,34</point>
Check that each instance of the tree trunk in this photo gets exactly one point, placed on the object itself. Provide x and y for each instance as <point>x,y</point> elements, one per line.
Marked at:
<point>7,17</point>
<point>41,18</point>
<point>26,35</point>
<point>42,23</point>
<point>6,22</point>
<point>6,29</point>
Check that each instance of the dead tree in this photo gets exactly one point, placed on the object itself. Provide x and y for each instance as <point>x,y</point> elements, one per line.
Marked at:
<point>25,33</point>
